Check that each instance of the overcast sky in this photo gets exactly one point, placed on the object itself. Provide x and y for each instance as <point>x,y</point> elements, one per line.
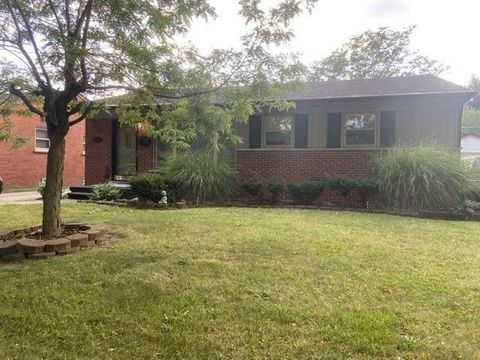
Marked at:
<point>447,30</point>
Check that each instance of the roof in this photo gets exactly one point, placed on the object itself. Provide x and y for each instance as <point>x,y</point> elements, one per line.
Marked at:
<point>364,88</point>
<point>380,87</point>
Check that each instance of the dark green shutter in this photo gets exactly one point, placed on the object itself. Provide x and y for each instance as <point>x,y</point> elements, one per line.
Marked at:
<point>334,130</point>
<point>255,132</point>
<point>301,131</point>
<point>387,128</point>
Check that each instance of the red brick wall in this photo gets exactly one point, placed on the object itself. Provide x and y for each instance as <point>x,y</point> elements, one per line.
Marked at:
<point>98,166</point>
<point>307,164</point>
<point>303,164</point>
<point>144,155</point>
<point>25,168</point>
<point>98,159</point>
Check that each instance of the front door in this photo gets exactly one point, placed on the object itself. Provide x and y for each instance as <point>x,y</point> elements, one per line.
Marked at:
<point>125,151</point>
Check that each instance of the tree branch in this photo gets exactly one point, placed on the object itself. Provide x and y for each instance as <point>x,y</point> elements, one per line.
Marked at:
<point>83,116</point>
<point>67,16</point>
<point>81,19</point>
<point>13,90</point>
<point>75,109</point>
<point>60,25</point>
<point>83,67</point>
<point>34,43</point>
<point>77,120</point>
<point>19,44</point>
<point>131,88</point>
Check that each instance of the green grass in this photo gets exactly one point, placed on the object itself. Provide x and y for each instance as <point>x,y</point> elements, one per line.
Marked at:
<point>247,284</point>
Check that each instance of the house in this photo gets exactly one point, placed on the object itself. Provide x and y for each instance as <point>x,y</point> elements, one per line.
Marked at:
<point>336,127</point>
<point>470,144</point>
<point>26,166</point>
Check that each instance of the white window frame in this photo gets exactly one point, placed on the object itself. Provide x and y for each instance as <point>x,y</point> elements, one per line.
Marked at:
<point>41,149</point>
<point>375,130</point>
<point>264,131</point>
<point>84,145</point>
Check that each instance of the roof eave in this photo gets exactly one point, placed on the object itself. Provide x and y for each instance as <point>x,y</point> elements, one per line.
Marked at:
<point>466,95</point>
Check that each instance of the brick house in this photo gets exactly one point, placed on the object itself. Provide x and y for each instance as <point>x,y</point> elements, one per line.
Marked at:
<point>336,127</point>
<point>26,166</point>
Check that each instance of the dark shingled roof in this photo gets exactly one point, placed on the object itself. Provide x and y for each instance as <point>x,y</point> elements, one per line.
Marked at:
<point>394,86</point>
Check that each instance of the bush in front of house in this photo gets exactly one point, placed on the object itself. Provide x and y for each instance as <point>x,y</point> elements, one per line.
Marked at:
<point>366,188</point>
<point>343,183</point>
<point>305,191</point>
<point>424,177</point>
<point>201,175</point>
<point>252,185</point>
<point>105,191</point>
<point>149,186</point>
<point>275,187</point>
<point>265,191</point>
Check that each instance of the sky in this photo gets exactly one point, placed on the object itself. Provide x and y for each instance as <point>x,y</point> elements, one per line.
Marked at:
<point>447,30</point>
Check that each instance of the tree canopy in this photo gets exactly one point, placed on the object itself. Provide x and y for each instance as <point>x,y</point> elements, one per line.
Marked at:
<point>59,56</point>
<point>373,54</point>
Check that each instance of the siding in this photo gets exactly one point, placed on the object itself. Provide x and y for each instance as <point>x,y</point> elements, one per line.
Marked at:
<point>417,119</point>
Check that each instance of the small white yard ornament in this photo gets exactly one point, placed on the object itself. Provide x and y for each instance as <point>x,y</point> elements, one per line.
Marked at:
<point>163,200</point>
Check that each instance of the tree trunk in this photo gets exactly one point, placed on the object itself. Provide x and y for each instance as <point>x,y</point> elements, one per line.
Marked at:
<point>51,226</point>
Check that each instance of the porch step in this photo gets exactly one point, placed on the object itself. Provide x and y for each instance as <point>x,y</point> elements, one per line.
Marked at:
<point>81,188</point>
<point>83,192</point>
<point>80,192</point>
<point>78,195</point>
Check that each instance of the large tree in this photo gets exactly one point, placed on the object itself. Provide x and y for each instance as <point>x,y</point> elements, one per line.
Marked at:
<point>374,54</point>
<point>61,53</point>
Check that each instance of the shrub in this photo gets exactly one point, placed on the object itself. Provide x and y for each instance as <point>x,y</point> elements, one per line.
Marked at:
<point>305,192</point>
<point>366,188</point>
<point>275,187</point>
<point>266,191</point>
<point>200,175</point>
<point>341,183</point>
<point>150,186</point>
<point>422,177</point>
<point>252,185</point>
<point>105,191</point>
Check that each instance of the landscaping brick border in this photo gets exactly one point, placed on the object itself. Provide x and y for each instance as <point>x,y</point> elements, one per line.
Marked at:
<point>19,244</point>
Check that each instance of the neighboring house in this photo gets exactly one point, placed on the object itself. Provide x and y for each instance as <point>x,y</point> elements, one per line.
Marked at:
<point>336,127</point>
<point>470,145</point>
<point>26,166</point>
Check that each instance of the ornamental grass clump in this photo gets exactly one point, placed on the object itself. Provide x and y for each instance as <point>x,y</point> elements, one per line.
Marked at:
<point>424,177</point>
<point>201,175</point>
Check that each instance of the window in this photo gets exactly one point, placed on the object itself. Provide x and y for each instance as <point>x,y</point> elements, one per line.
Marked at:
<point>360,129</point>
<point>42,143</point>
<point>83,146</point>
<point>278,130</point>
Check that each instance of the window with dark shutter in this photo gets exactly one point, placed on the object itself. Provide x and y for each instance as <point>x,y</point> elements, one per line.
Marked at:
<point>301,131</point>
<point>255,132</point>
<point>334,130</point>
<point>387,128</point>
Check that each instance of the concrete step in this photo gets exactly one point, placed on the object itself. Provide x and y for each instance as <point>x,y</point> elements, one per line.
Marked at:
<point>78,195</point>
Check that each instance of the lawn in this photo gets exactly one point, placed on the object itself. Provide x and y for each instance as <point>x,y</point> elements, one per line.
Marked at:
<point>232,283</point>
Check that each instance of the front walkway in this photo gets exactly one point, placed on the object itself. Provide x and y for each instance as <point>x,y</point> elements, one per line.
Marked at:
<point>20,197</point>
